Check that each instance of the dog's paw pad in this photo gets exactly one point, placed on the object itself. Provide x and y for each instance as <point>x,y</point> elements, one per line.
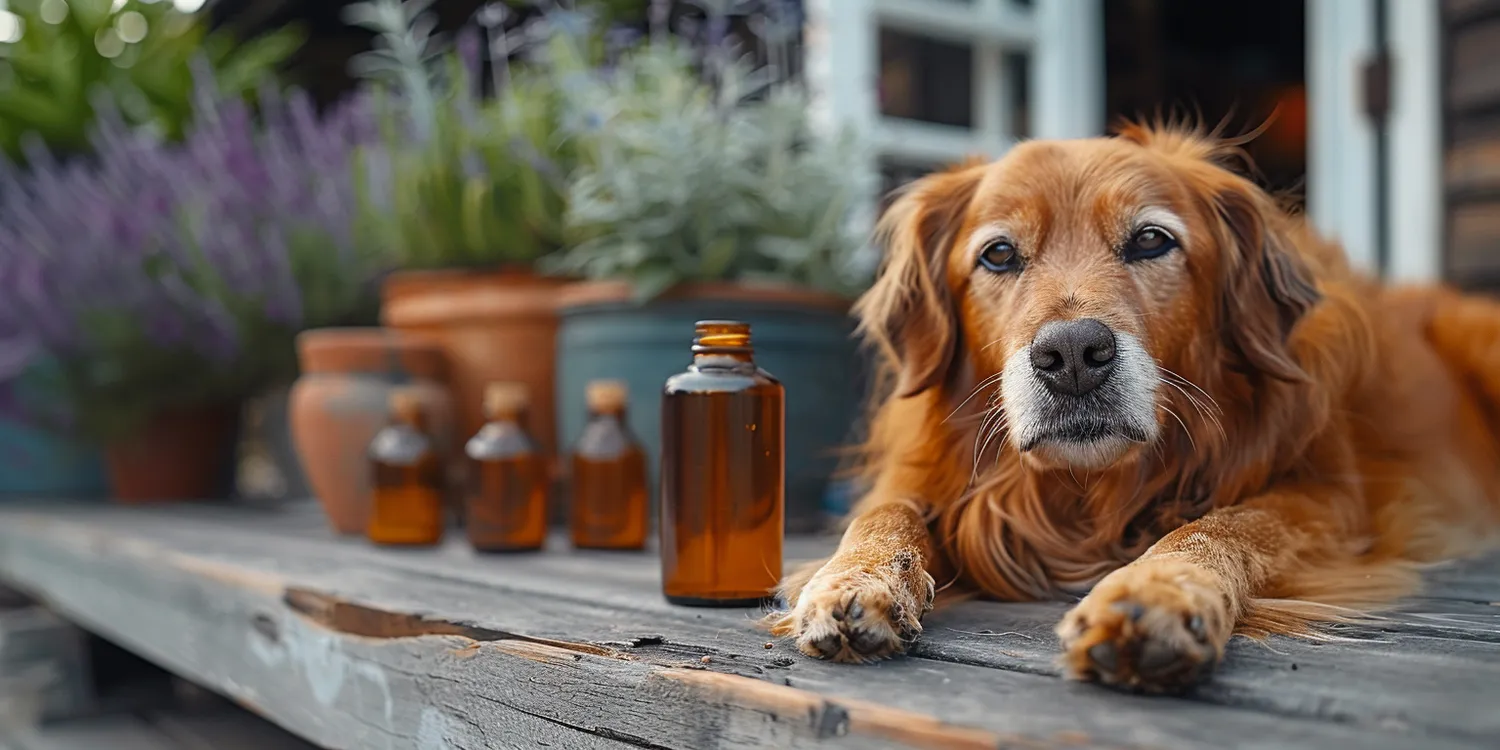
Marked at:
<point>853,617</point>
<point>1145,633</point>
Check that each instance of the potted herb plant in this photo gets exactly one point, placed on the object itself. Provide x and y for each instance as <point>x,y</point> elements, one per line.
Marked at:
<point>61,60</point>
<point>702,192</point>
<point>476,198</point>
<point>167,281</point>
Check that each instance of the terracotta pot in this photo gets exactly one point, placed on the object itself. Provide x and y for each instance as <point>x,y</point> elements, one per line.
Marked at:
<point>799,335</point>
<point>341,401</point>
<point>183,454</point>
<point>499,325</point>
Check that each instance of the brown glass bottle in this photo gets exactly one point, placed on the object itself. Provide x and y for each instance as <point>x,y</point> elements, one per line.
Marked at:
<point>507,507</point>
<point>407,500</point>
<point>609,508</point>
<point>722,474</point>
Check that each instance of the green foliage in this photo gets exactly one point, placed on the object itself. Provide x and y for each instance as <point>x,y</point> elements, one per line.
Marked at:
<point>138,55</point>
<point>683,180</point>
<point>473,181</point>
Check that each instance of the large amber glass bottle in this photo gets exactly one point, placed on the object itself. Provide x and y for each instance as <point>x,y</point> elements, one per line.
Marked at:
<point>609,509</point>
<point>722,474</point>
<point>407,499</point>
<point>507,507</point>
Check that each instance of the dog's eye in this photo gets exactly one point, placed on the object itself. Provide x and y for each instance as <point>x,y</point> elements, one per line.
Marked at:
<point>1000,257</point>
<point>1148,243</point>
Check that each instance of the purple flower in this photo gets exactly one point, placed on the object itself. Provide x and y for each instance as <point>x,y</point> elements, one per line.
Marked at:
<point>193,252</point>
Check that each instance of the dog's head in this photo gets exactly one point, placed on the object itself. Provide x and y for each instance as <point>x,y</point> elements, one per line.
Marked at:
<point>1077,280</point>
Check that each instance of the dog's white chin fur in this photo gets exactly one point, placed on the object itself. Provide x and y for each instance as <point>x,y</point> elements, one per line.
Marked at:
<point>1094,455</point>
<point>1132,393</point>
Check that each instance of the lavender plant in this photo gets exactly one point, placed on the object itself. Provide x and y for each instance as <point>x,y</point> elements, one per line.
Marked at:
<point>161,275</point>
<point>698,164</point>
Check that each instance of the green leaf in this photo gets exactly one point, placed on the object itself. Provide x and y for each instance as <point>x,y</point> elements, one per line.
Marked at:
<point>650,281</point>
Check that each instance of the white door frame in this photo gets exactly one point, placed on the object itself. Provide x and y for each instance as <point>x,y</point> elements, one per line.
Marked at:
<point>1341,164</point>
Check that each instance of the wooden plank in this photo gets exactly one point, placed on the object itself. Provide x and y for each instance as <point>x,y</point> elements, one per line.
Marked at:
<point>350,646</point>
<point>1474,66</point>
<point>1472,167</point>
<point>1474,240</point>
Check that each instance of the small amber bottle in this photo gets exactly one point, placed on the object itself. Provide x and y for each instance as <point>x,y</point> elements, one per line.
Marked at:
<point>407,499</point>
<point>609,475</point>
<point>507,508</point>
<point>722,474</point>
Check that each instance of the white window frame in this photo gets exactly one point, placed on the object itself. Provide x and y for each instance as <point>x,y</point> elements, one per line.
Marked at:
<point>1064,38</point>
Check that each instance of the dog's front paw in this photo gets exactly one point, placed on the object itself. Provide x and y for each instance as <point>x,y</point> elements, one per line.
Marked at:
<point>1156,627</point>
<point>858,614</point>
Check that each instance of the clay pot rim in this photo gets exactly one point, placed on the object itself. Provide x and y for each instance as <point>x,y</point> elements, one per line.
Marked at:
<point>417,279</point>
<point>372,336</point>
<point>370,349</point>
<point>584,294</point>
<point>445,297</point>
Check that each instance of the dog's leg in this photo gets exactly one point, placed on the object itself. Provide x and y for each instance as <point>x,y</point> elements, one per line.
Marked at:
<point>866,602</point>
<point>1160,624</point>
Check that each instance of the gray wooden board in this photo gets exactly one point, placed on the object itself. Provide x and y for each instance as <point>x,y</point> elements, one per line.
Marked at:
<point>351,646</point>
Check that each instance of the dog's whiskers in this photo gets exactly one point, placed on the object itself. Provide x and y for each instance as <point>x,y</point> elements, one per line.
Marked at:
<point>991,380</point>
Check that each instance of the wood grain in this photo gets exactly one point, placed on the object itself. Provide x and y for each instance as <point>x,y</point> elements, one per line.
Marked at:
<point>354,647</point>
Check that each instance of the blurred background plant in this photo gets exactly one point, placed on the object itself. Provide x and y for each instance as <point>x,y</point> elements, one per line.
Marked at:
<point>698,162</point>
<point>478,158</point>
<point>62,59</point>
<point>160,275</point>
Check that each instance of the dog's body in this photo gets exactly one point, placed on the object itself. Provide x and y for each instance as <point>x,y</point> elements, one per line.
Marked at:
<point>1118,366</point>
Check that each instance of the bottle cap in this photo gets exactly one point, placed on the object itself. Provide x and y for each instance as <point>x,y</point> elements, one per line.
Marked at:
<point>405,405</point>
<point>727,335</point>
<point>501,398</point>
<point>606,395</point>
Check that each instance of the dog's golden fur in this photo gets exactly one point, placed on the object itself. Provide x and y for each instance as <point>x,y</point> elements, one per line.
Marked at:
<point>1320,436</point>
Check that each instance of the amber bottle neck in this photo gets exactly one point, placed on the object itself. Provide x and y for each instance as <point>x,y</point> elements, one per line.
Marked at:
<point>616,413</point>
<point>722,344</point>
<point>502,416</point>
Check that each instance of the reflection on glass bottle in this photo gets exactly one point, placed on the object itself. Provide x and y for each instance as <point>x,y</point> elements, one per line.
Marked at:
<point>609,508</point>
<point>507,508</point>
<point>722,474</point>
<point>407,499</point>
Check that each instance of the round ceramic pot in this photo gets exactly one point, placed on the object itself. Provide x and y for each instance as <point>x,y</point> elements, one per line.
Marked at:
<point>36,461</point>
<point>343,398</point>
<point>180,454</point>
<point>802,338</point>
<point>493,326</point>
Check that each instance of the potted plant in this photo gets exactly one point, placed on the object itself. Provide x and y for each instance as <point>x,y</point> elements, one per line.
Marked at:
<point>476,198</point>
<point>55,76</point>
<point>167,281</point>
<point>702,192</point>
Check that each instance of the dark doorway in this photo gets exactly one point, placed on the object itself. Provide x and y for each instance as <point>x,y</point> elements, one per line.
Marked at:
<point>1240,61</point>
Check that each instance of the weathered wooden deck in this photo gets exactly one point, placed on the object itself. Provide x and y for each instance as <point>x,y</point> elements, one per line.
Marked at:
<point>355,647</point>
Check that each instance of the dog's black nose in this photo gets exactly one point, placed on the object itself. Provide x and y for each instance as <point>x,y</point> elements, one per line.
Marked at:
<point>1073,357</point>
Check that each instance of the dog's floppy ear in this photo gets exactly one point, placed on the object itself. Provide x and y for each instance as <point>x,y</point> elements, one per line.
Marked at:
<point>909,312</point>
<point>1266,287</point>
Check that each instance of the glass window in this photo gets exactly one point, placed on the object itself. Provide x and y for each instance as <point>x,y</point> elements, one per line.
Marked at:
<point>926,79</point>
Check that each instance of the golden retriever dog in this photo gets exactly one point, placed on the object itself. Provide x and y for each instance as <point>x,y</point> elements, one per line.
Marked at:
<point>1117,368</point>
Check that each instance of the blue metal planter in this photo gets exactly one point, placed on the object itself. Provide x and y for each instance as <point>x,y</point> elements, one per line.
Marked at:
<point>801,338</point>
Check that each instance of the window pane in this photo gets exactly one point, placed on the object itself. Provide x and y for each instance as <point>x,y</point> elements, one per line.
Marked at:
<point>926,79</point>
